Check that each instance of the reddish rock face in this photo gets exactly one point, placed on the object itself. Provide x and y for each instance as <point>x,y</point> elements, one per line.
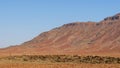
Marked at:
<point>83,38</point>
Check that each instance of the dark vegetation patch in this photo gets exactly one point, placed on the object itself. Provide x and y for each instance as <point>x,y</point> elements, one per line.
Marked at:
<point>64,59</point>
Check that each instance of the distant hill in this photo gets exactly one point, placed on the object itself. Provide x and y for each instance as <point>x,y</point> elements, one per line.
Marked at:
<point>82,38</point>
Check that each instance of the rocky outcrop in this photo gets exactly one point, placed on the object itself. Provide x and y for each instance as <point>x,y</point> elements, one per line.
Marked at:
<point>115,17</point>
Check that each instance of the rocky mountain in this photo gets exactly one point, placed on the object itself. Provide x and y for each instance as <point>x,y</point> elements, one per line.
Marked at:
<point>83,38</point>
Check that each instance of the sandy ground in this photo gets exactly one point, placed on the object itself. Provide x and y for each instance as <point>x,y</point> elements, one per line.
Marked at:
<point>36,65</point>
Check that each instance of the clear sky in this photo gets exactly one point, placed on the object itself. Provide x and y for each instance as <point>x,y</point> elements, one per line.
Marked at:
<point>21,20</point>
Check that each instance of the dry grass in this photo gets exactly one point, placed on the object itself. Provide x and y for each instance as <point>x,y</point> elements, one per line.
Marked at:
<point>62,59</point>
<point>58,61</point>
<point>35,65</point>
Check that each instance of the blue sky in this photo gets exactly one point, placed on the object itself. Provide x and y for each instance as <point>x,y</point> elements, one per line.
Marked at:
<point>22,20</point>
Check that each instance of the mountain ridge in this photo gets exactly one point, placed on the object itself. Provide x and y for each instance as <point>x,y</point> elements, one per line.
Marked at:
<point>83,38</point>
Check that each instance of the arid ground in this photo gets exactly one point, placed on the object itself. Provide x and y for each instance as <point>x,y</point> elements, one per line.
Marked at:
<point>35,65</point>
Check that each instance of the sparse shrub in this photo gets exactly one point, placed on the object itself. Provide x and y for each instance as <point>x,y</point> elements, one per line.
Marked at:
<point>65,59</point>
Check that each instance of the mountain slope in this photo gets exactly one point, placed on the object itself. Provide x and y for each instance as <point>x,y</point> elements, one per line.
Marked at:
<point>83,38</point>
